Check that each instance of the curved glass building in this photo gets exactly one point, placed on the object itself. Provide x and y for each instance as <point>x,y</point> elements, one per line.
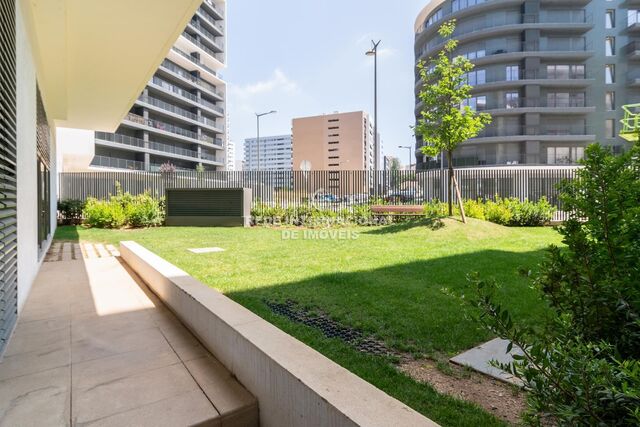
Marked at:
<point>552,73</point>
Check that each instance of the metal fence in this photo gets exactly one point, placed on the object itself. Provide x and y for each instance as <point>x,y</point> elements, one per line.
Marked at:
<point>334,189</point>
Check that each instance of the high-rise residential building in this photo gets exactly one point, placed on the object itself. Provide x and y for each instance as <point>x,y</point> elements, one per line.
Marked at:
<point>179,118</point>
<point>230,156</point>
<point>334,142</point>
<point>274,153</point>
<point>553,74</point>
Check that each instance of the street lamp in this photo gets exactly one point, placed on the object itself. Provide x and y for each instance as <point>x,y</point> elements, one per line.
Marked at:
<point>258,115</point>
<point>374,52</point>
<point>410,148</point>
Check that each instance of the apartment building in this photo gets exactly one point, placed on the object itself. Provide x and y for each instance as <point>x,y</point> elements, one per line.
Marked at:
<point>273,153</point>
<point>179,117</point>
<point>553,74</point>
<point>334,142</point>
<point>230,155</point>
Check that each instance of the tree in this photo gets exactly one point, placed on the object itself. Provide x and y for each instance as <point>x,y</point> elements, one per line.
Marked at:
<point>445,122</point>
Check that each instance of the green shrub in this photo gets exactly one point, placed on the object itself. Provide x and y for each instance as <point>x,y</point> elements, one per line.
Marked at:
<point>104,214</point>
<point>583,368</point>
<point>435,209</point>
<point>144,211</point>
<point>124,209</point>
<point>498,212</point>
<point>474,209</point>
<point>70,211</point>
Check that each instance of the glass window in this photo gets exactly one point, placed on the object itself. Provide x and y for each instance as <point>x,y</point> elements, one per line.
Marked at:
<point>632,17</point>
<point>610,101</point>
<point>610,19</point>
<point>512,99</point>
<point>609,73</point>
<point>513,73</point>
<point>610,46</point>
<point>610,129</point>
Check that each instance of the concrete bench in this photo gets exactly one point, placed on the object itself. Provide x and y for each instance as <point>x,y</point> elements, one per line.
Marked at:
<point>397,211</point>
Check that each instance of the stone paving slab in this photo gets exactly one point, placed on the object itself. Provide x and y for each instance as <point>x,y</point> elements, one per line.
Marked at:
<point>94,346</point>
<point>479,358</point>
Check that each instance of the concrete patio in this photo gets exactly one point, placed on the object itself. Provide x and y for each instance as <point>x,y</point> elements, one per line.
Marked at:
<point>93,346</point>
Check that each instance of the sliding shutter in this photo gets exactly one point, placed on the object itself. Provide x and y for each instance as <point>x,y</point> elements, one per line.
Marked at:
<point>8,219</point>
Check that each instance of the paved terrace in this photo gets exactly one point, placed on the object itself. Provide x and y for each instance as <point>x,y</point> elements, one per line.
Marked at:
<point>93,346</point>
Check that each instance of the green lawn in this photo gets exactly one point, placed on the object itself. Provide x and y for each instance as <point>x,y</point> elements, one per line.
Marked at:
<point>388,282</point>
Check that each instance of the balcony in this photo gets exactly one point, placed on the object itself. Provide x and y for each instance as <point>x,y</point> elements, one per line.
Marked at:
<point>218,56</point>
<point>115,163</point>
<point>542,105</point>
<point>213,9</point>
<point>177,71</point>
<point>196,62</point>
<point>190,117</point>
<point>541,132</point>
<point>211,21</point>
<point>166,128</point>
<point>498,160</point>
<point>633,78</point>
<point>632,50</point>
<point>183,94</point>
<point>217,42</point>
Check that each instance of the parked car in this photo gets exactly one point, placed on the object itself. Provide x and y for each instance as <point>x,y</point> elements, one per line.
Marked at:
<point>357,199</point>
<point>325,197</point>
<point>402,196</point>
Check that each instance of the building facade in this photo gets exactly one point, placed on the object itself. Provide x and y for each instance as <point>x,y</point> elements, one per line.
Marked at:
<point>334,142</point>
<point>274,153</point>
<point>179,117</point>
<point>230,155</point>
<point>553,74</point>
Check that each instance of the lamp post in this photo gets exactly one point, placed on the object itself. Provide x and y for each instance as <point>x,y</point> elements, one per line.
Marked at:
<point>410,148</point>
<point>374,52</point>
<point>258,115</point>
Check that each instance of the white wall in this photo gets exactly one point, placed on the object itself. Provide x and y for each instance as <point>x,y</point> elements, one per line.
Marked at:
<point>76,149</point>
<point>27,209</point>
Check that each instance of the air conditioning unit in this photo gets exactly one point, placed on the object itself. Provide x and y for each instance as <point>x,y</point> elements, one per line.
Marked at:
<point>203,207</point>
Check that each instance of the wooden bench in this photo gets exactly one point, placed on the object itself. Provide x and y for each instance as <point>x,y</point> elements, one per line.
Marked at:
<point>397,211</point>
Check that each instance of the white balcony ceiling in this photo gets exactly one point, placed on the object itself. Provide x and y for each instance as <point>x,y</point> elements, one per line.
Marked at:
<point>94,58</point>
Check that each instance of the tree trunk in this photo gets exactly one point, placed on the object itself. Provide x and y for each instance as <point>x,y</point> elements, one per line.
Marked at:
<point>450,182</point>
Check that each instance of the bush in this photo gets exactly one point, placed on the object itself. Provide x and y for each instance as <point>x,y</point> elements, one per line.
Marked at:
<point>124,209</point>
<point>474,209</point>
<point>70,211</point>
<point>104,214</point>
<point>583,367</point>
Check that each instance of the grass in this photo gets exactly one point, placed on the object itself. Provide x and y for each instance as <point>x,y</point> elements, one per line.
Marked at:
<point>394,282</point>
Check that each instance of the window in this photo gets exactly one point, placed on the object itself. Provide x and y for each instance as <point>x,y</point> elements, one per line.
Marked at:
<point>477,77</point>
<point>512,99</point>
<point>610,101</point>
<point>564,155</point>
<point>513,73</point>
<point>609,129</point>
<point>609,74</point>
<point>477,103</point>
<point>610,46</point>
<point>457,5</point>
<point>610,19</point>
<point>565,71</point>
<point>632,17</point>
<point>433,18</point>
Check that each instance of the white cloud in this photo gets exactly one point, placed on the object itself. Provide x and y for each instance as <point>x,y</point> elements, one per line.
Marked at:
<point>277,82</point>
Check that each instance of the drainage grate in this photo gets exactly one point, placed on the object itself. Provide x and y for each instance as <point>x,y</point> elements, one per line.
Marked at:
<point>330,328</point>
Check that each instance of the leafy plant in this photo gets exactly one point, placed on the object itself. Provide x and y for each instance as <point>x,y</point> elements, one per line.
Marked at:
<point>70,211</point>
<point>124,209</point>
<point>583,367</point>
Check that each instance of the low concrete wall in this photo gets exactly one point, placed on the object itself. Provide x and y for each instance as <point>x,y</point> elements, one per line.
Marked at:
<point>294,384</point>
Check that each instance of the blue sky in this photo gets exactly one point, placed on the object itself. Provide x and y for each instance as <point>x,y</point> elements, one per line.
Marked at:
<point>304,57</point>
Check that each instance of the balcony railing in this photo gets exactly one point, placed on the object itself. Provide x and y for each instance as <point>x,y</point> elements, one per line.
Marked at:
<point>183,93</point>
<point>175,69</point>
<point>210,19</point>
<point>120,139</point>
<point>157,124</point>
<point>210,157</point>
<point>545,130</point>
<point>563,45</point>
<point>180,111</point>
<point>196,62</point>
<point>158,146</point>
<point>495,160</point>
<point>546,17</point>
<point>218,41</point>
<point>113,162</point>
<point>195,41</point>
<point>534,103</point>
